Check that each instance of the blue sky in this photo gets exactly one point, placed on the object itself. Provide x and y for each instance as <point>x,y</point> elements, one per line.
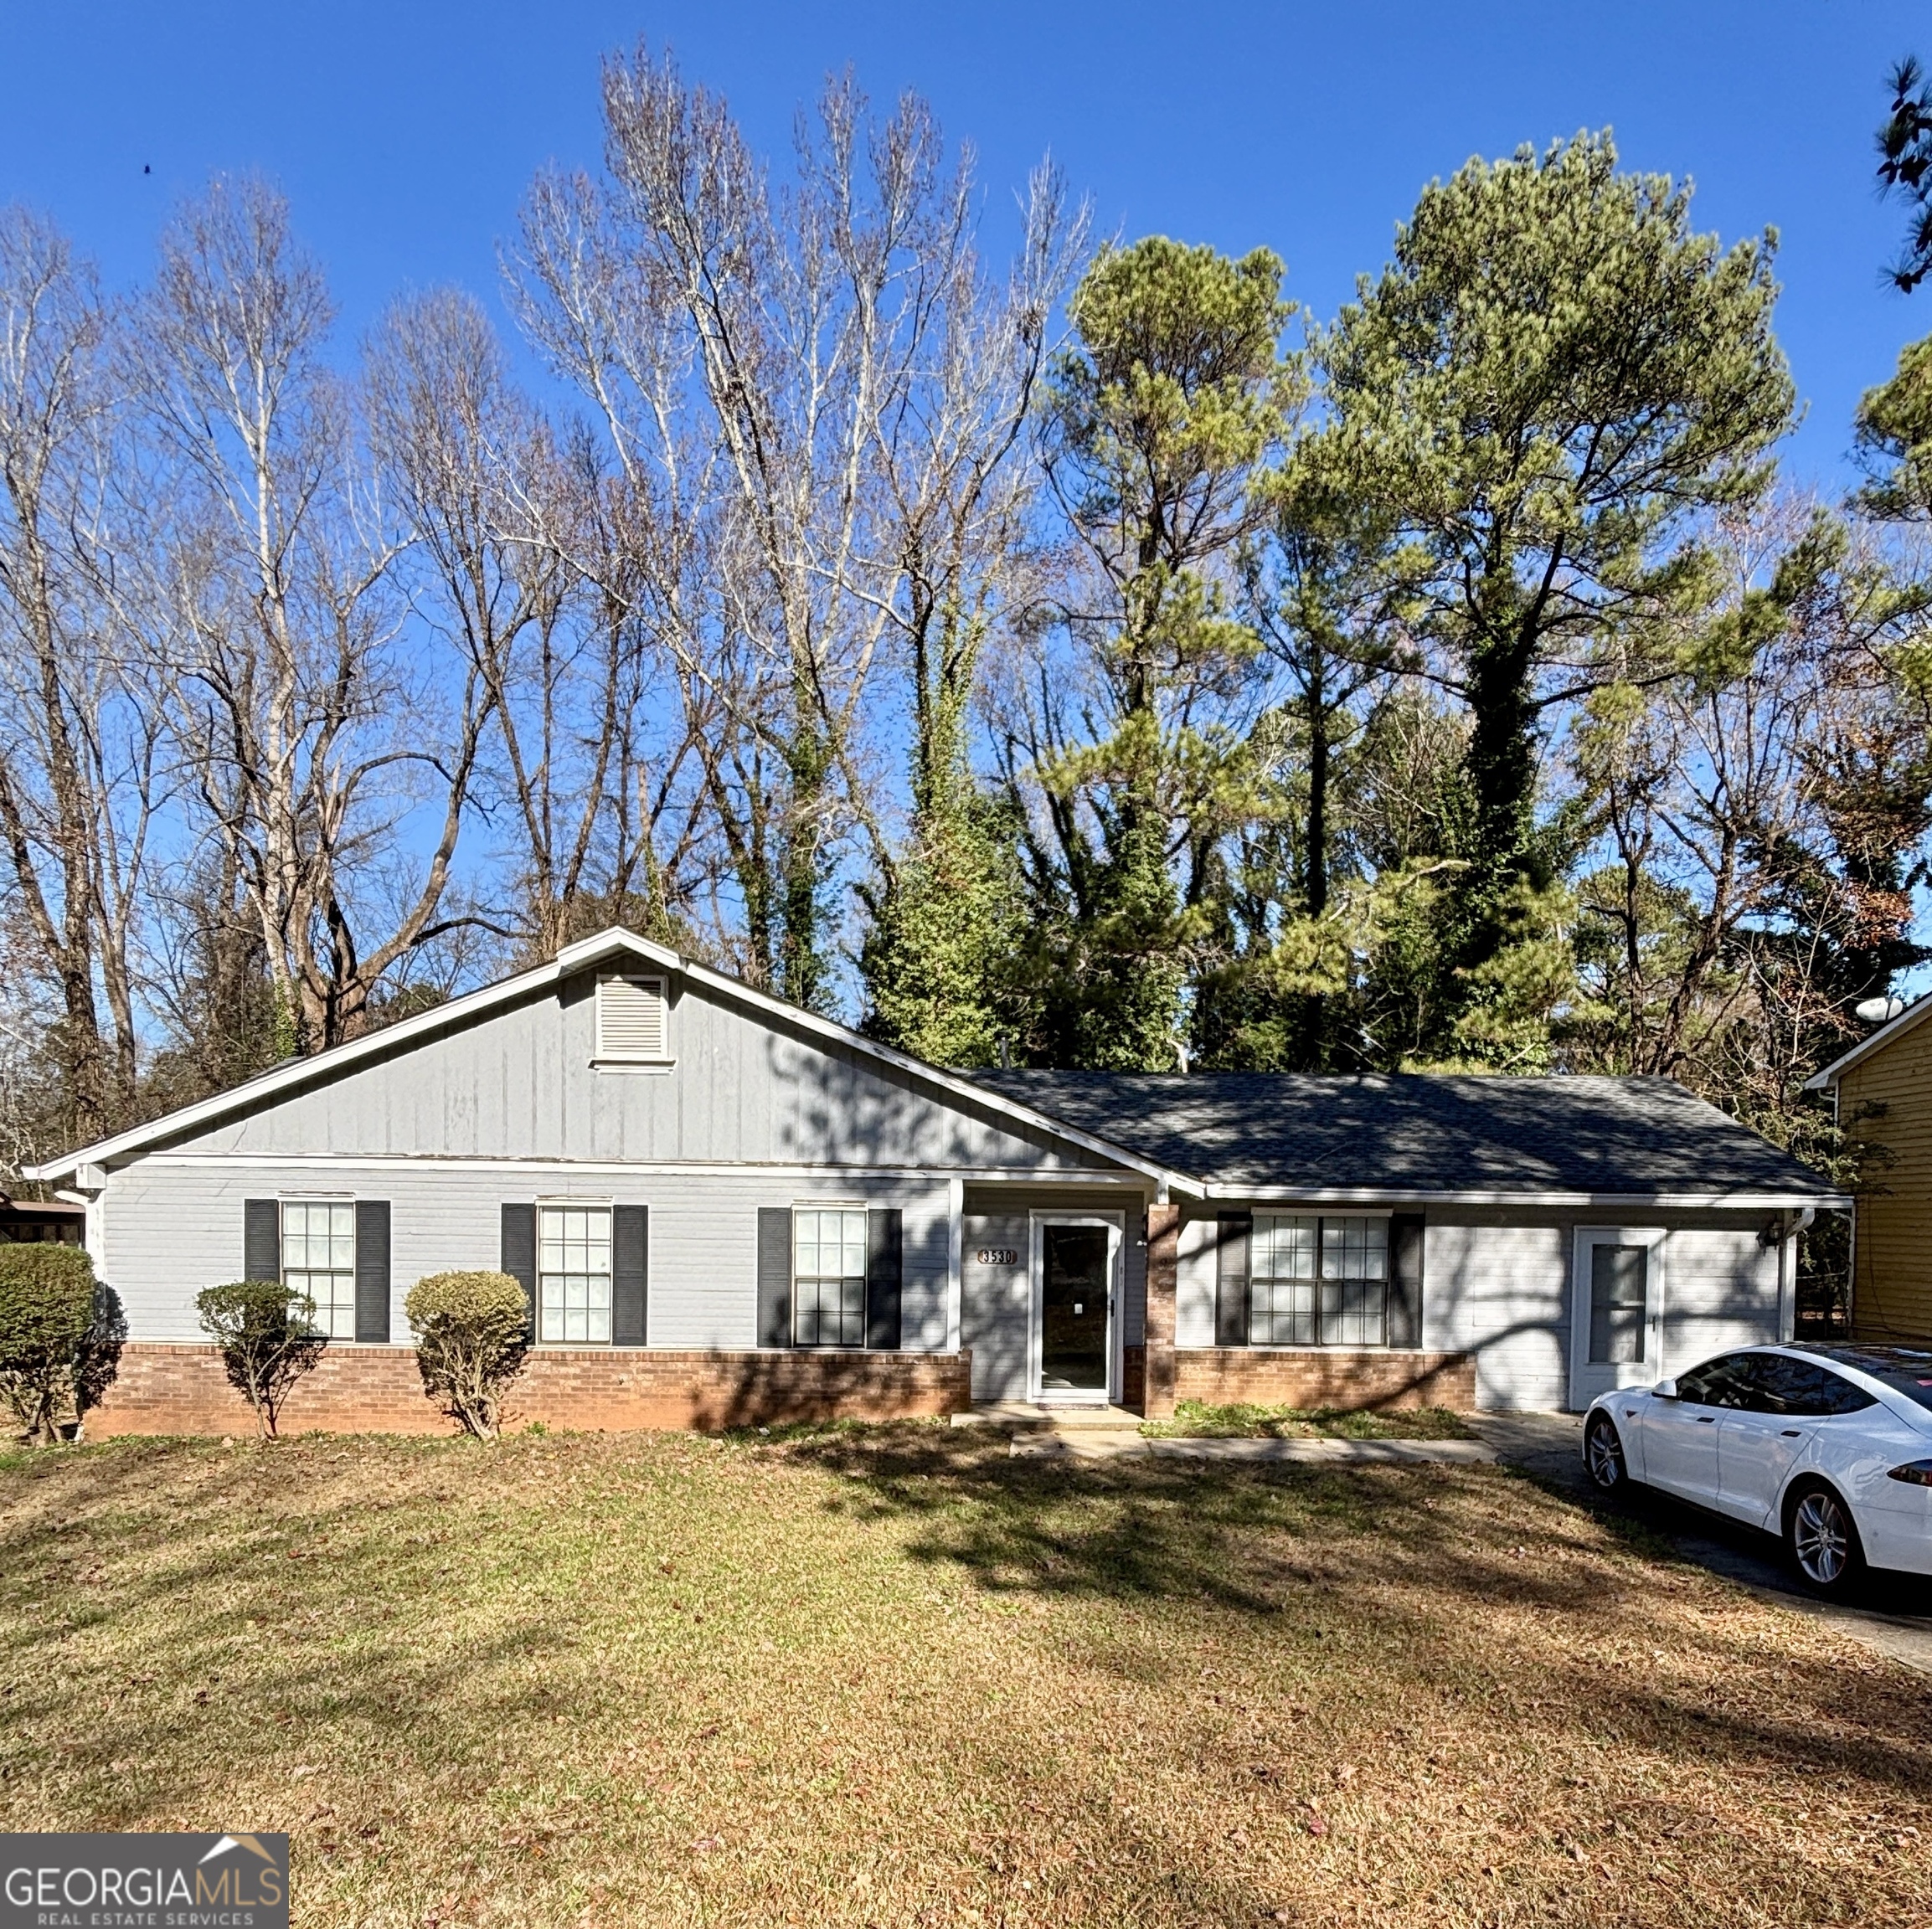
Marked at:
<point>405,133</point>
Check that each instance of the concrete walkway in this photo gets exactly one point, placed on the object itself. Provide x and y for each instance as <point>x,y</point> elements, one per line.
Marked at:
<point>1052,1443</point>
<point>1894,1615</point>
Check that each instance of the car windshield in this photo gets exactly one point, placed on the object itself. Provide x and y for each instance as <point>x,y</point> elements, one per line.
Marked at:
<point>1905,1369</point>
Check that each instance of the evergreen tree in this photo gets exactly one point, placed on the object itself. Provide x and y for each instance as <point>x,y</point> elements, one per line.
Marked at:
<point>1172,397</point>
<point>1554,376</point>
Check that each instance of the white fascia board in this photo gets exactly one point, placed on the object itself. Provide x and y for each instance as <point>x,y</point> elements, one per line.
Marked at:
<point>572,959</point>
<point>1911,1016</point>
<point>1629,1202</point>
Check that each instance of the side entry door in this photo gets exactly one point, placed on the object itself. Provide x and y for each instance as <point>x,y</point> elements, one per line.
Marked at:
<point>1616,1310</point>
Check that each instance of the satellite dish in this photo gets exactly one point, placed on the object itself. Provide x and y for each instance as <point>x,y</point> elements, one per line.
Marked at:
<point>1877,1010</point>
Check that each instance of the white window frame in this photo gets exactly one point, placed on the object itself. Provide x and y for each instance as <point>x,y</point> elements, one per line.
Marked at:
<point>1321,1220</point>
<point>840,1346</point>
<point>606,1207</point>
<point>332,1318</point>
<point>612,1057</point>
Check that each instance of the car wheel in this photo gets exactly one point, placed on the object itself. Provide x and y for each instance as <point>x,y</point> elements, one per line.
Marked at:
<point>1603,1454</point>
<point>1822,1539</point>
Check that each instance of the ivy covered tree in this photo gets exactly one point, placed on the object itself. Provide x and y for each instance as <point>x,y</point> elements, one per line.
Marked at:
<point>1553,379</point>
<point>1171,400</point>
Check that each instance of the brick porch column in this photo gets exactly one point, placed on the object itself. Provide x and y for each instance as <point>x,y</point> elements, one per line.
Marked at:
<point>1163,1263</point>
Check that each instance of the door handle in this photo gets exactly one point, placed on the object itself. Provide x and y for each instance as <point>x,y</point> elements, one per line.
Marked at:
<point>1706,1419</point>
<point>1792,1434</point>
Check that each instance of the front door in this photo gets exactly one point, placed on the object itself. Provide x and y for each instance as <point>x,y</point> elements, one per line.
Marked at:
<point>1076,1264</point>
<point>1616,1311</point>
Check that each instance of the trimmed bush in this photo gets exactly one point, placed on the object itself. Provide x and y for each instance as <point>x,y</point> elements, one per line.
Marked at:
<point>60,1336</point>
<point>473,1332</point>
<point>268,1339</point>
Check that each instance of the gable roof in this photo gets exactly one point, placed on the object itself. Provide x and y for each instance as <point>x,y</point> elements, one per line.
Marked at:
<point>1396,1138</point>
<point>1417,1136</point>
<point>612,945</point>
<point>1913,1015</point>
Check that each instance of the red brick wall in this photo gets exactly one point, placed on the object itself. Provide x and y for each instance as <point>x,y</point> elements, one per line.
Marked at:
<point>163,1389</point>
<point>1157,1387</point>
<point>1324,1376</point>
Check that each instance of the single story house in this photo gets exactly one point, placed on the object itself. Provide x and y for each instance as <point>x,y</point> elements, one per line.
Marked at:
<point>1881,1091</point>
<point>726,1209</point>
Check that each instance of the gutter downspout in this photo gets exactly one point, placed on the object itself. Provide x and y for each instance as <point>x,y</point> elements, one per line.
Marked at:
<point>1788,1272</point>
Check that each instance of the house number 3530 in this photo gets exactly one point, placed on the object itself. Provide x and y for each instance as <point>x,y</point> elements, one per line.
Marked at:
<point>998,1256</point>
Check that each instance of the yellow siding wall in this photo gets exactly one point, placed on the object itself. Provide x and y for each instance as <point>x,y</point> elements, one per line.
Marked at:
<point>1885,1103</point>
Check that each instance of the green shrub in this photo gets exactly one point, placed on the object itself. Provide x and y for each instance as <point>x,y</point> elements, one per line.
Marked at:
<point>268,1339</point>
<point>60,1336</point>
<point>473,1332</point>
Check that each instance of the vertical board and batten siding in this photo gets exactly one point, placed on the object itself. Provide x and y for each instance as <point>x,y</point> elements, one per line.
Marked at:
<point>995,1302</point>
<point>1885,1106</point>
<point>519,1083</point>
<point>172,1229</point>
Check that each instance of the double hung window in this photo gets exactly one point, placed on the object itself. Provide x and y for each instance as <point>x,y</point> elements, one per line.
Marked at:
<point>573,1274</point>
<point>1318,1282</point>
<point>318,1259</point>
<point>828,1249</point>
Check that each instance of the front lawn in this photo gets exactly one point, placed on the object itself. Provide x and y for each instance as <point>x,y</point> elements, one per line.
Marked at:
<point>897,1677</point>
<point>1196,1420</point>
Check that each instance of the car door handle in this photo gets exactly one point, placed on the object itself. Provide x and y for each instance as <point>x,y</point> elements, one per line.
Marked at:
<point>1792,1434</point>
<point>1706,1419</point>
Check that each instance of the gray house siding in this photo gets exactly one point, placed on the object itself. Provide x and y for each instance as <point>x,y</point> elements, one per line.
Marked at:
<point>174,1227</point>
<point>746,1089</point>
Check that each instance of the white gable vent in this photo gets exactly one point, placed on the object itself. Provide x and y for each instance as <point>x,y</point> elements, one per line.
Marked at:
<point>630,1021</point>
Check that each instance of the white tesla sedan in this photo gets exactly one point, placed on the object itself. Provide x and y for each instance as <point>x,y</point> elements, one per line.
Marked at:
<point>1828,1446</point>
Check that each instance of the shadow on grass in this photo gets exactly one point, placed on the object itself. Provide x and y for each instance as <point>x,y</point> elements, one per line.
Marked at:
<point>1409,1560</point>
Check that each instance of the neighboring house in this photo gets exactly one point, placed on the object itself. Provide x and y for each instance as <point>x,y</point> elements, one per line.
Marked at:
<point>34,1221</point>
<point>725,1209</point>
<point>1882,1094</point>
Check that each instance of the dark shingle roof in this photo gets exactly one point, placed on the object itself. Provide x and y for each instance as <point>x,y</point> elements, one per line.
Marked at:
<point>1418,1133</point>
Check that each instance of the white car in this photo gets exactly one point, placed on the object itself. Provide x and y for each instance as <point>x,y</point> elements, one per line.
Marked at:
<point>1828,1446</point>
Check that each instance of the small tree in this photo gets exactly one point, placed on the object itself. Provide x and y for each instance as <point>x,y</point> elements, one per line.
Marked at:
<point>472,1333</point>
<point>268,1339</point>
<point>60,1336</point>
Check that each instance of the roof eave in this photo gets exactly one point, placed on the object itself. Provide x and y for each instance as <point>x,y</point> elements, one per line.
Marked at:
<point>1912,1015</point>
<point>1768,1199</point>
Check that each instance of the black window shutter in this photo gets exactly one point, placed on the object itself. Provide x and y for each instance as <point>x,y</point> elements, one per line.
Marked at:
<point>261,1239</point>
<point>373,1270</point>
<point>884,1276</point>
<point>519,1255</point>
<point>774,1275</point>
<point>629,1273</point>
<point>1405,1246</point>
<point>1234,1231</point>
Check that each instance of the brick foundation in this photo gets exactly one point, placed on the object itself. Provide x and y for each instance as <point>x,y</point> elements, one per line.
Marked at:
<point>1324,1376</point>
<point>166,1389</point>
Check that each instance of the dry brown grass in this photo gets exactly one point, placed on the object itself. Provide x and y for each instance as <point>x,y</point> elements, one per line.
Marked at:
<point>897,1677</point>
<point>1197,1420</point>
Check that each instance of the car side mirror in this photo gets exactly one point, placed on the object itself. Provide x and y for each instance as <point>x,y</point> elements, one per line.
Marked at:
<point>1664,1390</point>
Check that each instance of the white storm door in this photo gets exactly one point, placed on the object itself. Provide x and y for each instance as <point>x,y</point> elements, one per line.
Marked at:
<point>1076,1295</point>
<point>1616,1321</point>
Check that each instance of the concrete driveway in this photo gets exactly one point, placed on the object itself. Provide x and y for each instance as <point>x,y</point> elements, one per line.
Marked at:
<point>1894,1615</point>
